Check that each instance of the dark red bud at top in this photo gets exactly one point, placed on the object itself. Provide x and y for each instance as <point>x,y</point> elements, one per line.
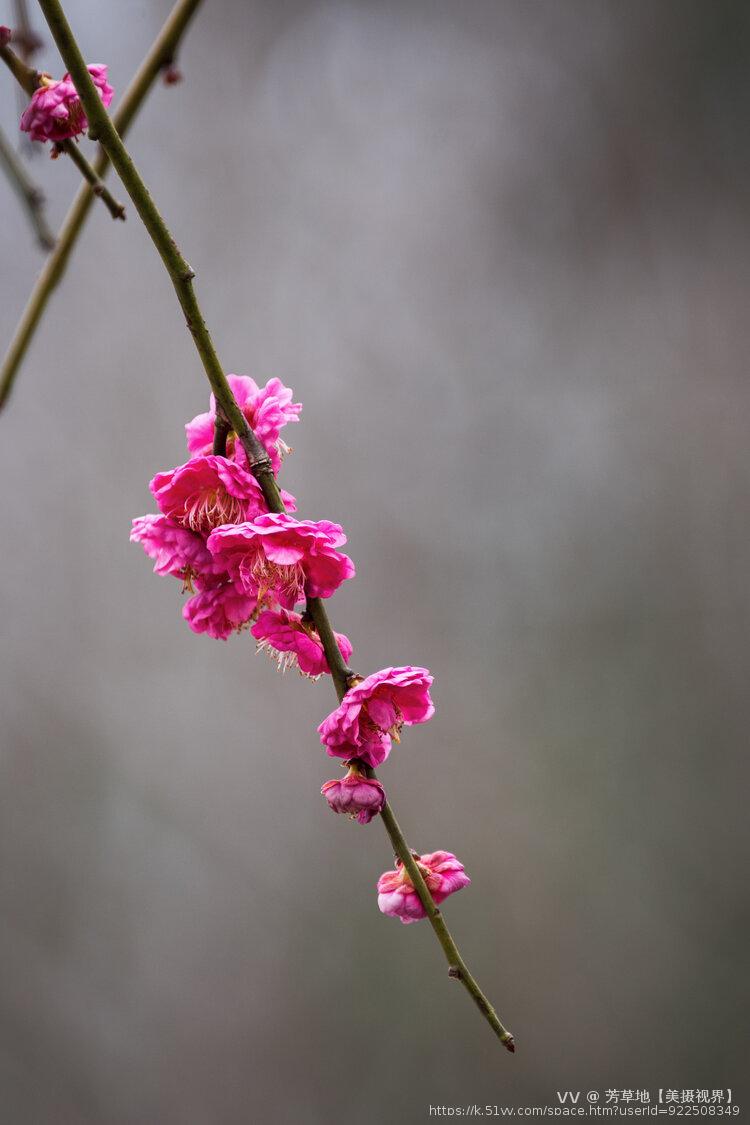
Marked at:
<point>170,75</point>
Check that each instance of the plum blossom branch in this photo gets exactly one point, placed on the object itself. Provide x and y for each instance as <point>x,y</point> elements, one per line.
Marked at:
<point>258,458</point>
<point>31,80</point>
<point>116,210</point>
<point>31,196</point>
<point>162,50</point>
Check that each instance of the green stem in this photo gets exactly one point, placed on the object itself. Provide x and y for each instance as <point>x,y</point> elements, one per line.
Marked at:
<point>30,195</point>
<point>181,276</point>
<point>30,80</point>
<point>116,210</point>
<point>163,48</point>
<point>340,672</point>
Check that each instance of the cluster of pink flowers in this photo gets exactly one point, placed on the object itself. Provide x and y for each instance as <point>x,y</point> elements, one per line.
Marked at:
<point>247,567</point>
<point>55,112</point>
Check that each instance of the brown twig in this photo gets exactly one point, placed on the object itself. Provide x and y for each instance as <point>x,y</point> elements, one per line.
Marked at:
<point>31,196</point>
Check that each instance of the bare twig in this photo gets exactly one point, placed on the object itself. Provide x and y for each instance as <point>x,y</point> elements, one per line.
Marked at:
<point>27,43</point>
<point>25,38</point>
<point>31,196</point>
<point>116,210</point>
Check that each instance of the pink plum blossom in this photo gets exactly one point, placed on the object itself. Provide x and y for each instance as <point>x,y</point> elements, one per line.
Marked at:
<point>208,491</point>
<point>267,409</point>
<point>373,712</point>
<point>442,873</point>
<point>280,558</point>
<point>356,795</point>
<point>219,610</point>
<point>55,112</point>
<point>174,549</point>
<point>292,640</point>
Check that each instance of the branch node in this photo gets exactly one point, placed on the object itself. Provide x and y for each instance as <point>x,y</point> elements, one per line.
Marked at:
<point>260,465</point>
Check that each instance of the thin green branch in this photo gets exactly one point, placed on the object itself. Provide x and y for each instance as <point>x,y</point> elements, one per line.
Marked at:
<point>27,43</point>
<point>162,50</point>
<point>30,195</point>
<point>181,276</point>
<point>116,210</point>
<point>25,38</point>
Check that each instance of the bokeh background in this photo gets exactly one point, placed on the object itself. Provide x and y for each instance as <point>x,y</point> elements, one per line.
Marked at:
<point>500,251</point>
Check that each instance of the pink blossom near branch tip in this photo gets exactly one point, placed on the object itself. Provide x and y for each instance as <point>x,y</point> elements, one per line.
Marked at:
<point>355,795</point>
<point>55,112</point>
<point>443,874</point>
<point>373,711</point>
<point>292,640</point>
<point>278,558</point>
<point>267,410</point>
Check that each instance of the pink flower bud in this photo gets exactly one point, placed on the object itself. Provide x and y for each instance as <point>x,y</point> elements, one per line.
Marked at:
<point>355,795</point>
<point>441,871</point>
<point>55,112</point>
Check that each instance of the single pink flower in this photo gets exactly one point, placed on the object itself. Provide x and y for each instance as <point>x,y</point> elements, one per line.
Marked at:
<point>291,640</point>
<point>442,873</point>
<point>174,549</point>
<point>5,35</point>
<point>373,712</point>
<point>278,558</point>
<point>356,795</point>
<point>55,112</point>
<point>209,491</point>
<point>267,410</point>
<point>219,610</point>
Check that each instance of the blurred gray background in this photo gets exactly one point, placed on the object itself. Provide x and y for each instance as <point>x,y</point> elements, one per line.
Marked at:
<point>500,251</point>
